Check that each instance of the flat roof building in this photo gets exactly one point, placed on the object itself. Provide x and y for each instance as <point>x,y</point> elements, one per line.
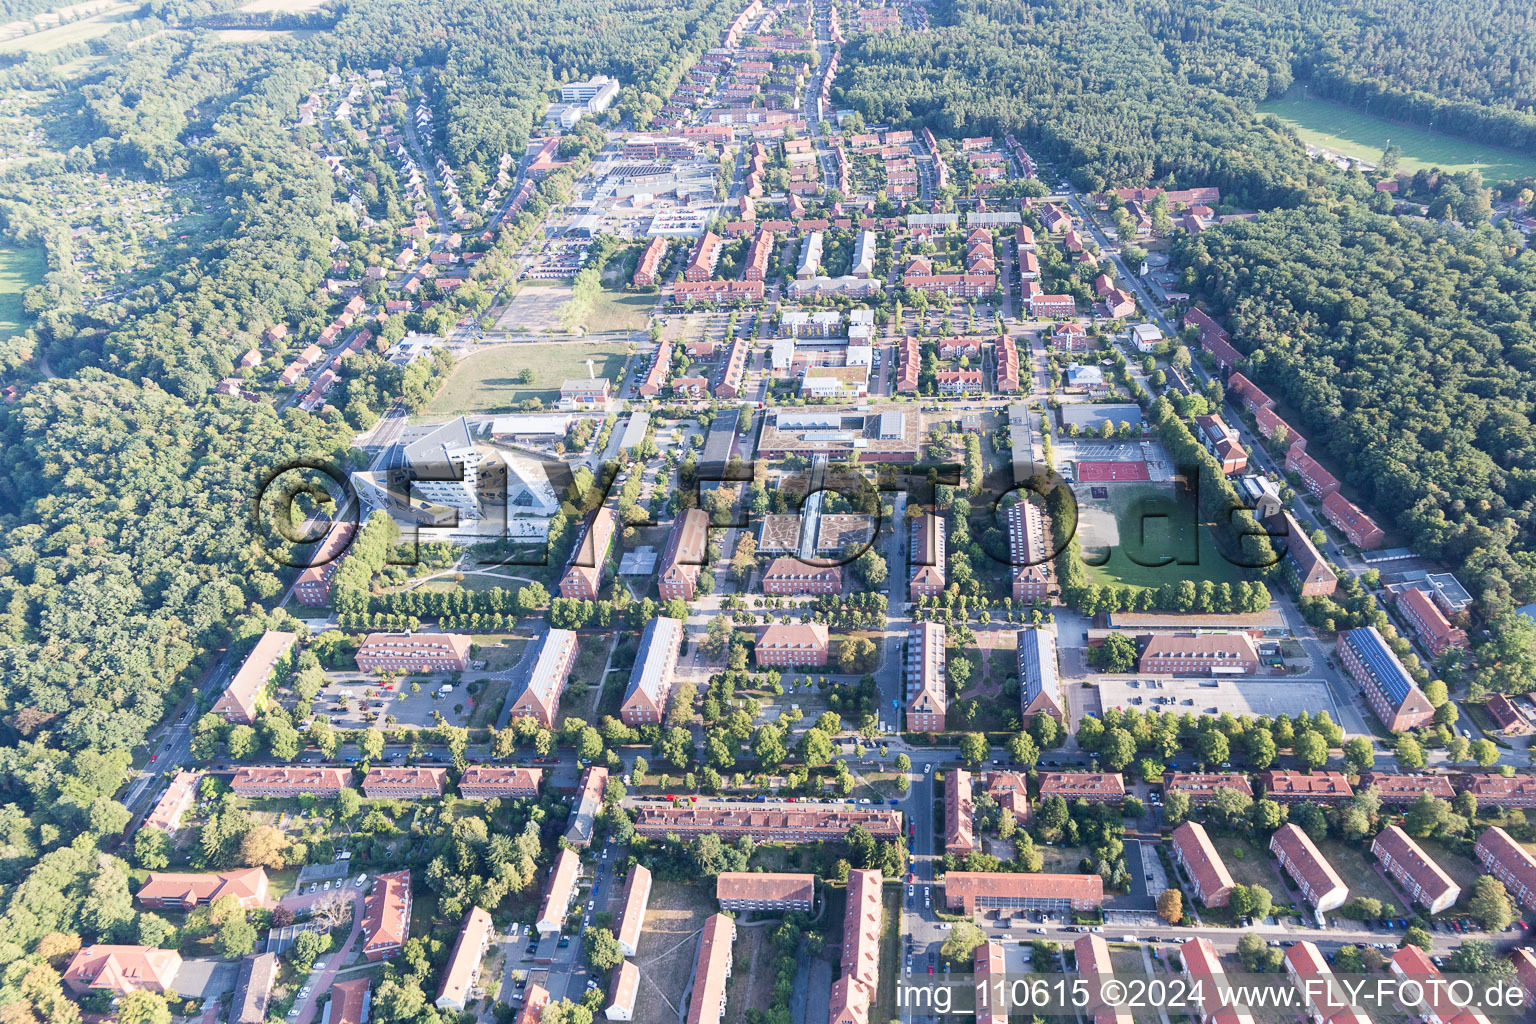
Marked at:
<point>970,891</point>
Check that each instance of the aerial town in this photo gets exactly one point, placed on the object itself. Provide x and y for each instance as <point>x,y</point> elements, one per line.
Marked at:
<point>743,542</point>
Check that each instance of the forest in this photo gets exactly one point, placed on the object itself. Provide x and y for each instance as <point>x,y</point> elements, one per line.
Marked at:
<point>1122,93</point>
<point>132,553</point>
<point>1407,349</point>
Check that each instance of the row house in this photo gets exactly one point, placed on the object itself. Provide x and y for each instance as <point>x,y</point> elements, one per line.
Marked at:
<point>1006,377</point>
<point>279,782</point>
<point>959,812</point>
<point>404,783</point>
<point>958,382</point>
<point>734,368</point>
<point>766,823</point>
<point>717,291</point>
<point>1090,787</point>
<point>1395,790</point>
<point>1289,787</point>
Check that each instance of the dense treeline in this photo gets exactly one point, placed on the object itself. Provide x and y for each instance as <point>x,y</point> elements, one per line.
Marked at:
<point>1407,349</point>
<point>1130,93</point>
<point>1081,81</point>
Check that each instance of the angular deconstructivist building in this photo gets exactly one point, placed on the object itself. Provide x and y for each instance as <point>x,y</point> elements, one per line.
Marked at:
<point>1389,689</point>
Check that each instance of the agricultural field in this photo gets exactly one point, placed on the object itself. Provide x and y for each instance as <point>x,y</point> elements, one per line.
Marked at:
<point>1353,133</point>
<point>1136,523</point>
<point>20,269</point>
<point>487,381</point>
<point>89,23</point>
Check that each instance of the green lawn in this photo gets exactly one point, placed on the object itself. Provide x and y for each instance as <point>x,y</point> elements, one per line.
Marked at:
<point>487,381</point>
<point>79,31</point>
<point>1345,130</point>
<point>615,311</point>
<point>20,269</point>
<point>1359,875</point>
<point>1155,522</point>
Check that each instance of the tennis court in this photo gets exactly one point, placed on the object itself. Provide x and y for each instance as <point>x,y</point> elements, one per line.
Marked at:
<point>1112,472</point>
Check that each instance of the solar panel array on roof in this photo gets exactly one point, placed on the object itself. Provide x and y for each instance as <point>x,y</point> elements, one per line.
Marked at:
<point>1037,663</point>
<point>1380,662</point>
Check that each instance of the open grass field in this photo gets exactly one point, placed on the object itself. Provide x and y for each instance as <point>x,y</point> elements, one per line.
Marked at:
<point>1360,876</point>
<point>890,953</point>
<point>1249,863</point>
<point>1146,523</point>
<point>1344,130</point>
<point>98,23</point>
<point>1464,871</point>
<point>20,269</point>
<point>487,381</point>
<point>615,311</point>
<point>752,974</point>
<point>667,947</point>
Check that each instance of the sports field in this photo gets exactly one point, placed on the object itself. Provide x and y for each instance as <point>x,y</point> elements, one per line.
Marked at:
<point>488,381</point>
<point>1138,526</point>
<point>1356,134</point>
<point>20,269</point>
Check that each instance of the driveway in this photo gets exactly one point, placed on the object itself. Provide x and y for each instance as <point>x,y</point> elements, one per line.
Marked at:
<point>319,982</point>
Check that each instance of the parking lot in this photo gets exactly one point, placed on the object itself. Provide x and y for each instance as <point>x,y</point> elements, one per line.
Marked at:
<point>359,700</point>
<point>1262,696</point>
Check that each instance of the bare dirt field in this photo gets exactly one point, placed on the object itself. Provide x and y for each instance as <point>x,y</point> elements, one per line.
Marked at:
<point>668,945</point>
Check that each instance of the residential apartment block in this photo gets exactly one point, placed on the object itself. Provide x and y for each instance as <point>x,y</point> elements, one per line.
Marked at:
<point>1425,882</point>
<point>1213,654</point>
<point>387,915</point>
<point>765,823</point>
<point>583,578</point>
<point>970,891</point>
<point>414,652</point>
<point>1510,863</point>
<point>288,782</point>
<point>1389,689</point>
<point>650,680</point>
<point>684,556</point>
<point>959,811</point>
<point>711,971</point>
<point>486,782</point>
<point>927,699</point>
<point>404,783</point>
<point>1305,864</point>
<point>1198,856</point>
<point>765,890</point>
<point>790,577</point>
<point>249,692</point>
<point>538,697</point>
<point>927,553</point>
<point>793,645</point>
